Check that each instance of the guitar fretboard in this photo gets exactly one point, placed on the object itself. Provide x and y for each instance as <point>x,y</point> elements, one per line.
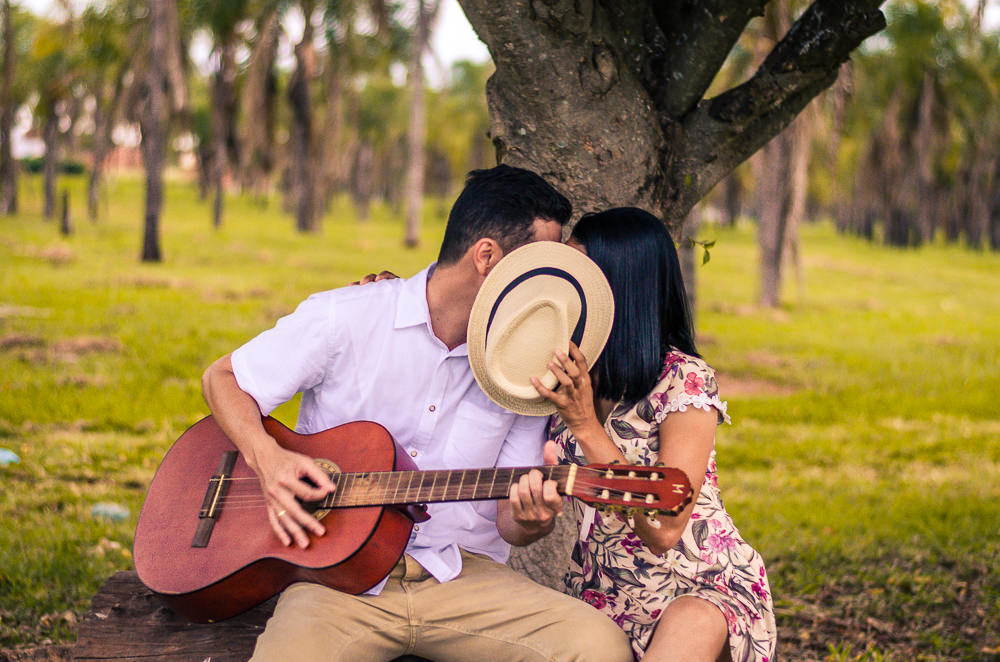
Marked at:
<point>384,488</point>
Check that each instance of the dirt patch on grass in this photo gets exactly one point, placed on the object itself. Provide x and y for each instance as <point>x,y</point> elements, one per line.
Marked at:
<point>35,349</point>
<point>742,386</point>
<point>55,254</point>
<point>20,340</point>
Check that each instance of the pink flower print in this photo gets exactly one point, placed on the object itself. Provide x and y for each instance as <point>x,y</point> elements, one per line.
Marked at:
<point>719,542</point>
<point>598,600</point>
<point>695,516</point>
<point>693,383</point>
<point>758,590</point>
<point>655,614</point>
<point>631,543</point>
<point>672,359</point>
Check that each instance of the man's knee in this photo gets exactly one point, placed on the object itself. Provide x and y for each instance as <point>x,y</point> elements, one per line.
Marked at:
<point>590,636</point>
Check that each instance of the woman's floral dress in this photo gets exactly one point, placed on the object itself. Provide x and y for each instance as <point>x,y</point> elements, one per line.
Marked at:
<point>613,570</point>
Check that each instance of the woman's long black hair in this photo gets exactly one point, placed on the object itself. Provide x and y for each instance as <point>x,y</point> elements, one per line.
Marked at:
<point>634,250</point>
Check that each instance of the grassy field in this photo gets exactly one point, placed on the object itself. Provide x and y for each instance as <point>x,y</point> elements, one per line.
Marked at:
<point>863,460</point>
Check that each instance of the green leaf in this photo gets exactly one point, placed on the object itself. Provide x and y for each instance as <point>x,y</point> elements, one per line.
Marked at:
<point>624,430</point>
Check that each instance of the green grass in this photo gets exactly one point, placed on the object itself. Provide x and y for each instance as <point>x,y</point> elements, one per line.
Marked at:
<point>863,462</point>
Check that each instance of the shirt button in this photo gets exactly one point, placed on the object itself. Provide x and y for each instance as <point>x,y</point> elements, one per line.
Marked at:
<point>413,453</point>
<point>432,407</point>
<point>416,527</point>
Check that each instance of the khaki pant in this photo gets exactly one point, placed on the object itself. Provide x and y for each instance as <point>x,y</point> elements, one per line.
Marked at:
<point>488,613</point>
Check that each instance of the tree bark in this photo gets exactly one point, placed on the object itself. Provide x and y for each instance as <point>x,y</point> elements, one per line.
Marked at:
<point>592,96</point>
<point>606,101</point>
<point>8,167</point>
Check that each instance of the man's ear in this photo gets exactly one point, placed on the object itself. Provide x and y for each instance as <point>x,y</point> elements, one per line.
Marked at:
<point>485,254</point>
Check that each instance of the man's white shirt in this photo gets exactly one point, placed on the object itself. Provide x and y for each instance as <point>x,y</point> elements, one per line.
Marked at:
<point>369,354</point>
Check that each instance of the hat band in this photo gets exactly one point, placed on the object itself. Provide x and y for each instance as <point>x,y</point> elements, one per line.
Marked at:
<point>581,323</point>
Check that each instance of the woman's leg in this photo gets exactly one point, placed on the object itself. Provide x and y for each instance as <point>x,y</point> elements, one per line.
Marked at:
<point>692,630</point>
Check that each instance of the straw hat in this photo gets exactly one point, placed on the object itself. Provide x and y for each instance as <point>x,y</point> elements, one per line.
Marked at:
<point>534,301</point>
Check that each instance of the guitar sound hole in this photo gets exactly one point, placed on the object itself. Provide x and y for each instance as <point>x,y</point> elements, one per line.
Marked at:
<point>316,508</point>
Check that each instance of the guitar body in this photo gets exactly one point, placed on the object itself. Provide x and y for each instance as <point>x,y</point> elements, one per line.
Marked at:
<point>243,562</point>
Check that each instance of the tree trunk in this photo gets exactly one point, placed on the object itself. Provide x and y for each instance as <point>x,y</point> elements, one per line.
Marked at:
<point>223,120</point>
<point>8,167</point>
<point>334,164</point>
<point>154,119</point>
<point>105,114</point>
<point>689,259</point>
<point>50,136</point>
<point>65,226</point>
<point>258,100</point>
<point>362,185</point>
<point>303,183</point>
<point>417,128</point>
<point>605,100</point>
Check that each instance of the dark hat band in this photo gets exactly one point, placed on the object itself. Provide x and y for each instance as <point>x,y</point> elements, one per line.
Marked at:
<point>581,323</point>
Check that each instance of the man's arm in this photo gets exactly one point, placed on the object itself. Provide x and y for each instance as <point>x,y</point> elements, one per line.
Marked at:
<point>282,472</point>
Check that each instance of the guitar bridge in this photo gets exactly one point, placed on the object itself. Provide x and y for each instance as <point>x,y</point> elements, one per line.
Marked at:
<point>217,486</point>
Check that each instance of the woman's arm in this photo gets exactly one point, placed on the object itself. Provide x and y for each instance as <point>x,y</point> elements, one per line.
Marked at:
<point>686,442</point>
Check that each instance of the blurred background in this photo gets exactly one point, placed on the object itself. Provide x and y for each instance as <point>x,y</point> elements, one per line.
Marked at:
<point>293,146</point>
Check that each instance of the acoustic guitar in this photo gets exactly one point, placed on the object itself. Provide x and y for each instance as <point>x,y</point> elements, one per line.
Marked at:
<point>204,544</point>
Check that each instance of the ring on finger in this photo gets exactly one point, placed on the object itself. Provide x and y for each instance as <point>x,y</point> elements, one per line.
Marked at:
<point>281,512</point>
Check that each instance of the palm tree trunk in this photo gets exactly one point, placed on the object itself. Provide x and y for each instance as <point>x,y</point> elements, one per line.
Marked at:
<point>154,120</point>
<point>50,136</point>
<point>223,111</point>
<point>8,168</point>
<point>417,128</point>
<point>303,172</point>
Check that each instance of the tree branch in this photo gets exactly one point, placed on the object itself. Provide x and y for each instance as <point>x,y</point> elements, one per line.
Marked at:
<point>699,36</point>
<point>723,132</point>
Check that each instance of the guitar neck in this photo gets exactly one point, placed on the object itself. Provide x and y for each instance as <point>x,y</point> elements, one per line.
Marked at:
<point>386,488</point>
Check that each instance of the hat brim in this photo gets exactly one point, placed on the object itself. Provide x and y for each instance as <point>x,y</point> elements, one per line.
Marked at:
<point>517,269</point>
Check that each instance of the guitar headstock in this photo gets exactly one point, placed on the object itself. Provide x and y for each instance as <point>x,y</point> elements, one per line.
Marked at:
<point>633,490</point>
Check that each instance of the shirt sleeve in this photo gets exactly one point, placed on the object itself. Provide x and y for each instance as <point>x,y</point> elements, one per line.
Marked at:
<point>524,442</point>
<point>291,357</point>
<point>686,381</point>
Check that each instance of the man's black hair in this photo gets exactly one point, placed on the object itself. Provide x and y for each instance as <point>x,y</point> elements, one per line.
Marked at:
<point>635,252</point>
<point>502,204</point>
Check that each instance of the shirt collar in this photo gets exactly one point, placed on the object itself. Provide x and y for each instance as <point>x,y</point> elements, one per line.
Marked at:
<point>412,310</point>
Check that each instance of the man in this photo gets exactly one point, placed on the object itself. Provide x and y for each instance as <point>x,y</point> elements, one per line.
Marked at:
<point>395,353</point>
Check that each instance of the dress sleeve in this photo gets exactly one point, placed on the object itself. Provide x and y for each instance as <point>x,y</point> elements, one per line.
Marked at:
<point>686,381</point>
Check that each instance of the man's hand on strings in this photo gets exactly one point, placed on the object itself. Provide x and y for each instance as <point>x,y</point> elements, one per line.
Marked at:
<point>285,475</point>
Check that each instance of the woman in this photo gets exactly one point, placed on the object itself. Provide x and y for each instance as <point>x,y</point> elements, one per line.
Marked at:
<point>685,587</point>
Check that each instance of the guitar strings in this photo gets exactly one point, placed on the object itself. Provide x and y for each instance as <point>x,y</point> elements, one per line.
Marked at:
<point>245,499</point>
